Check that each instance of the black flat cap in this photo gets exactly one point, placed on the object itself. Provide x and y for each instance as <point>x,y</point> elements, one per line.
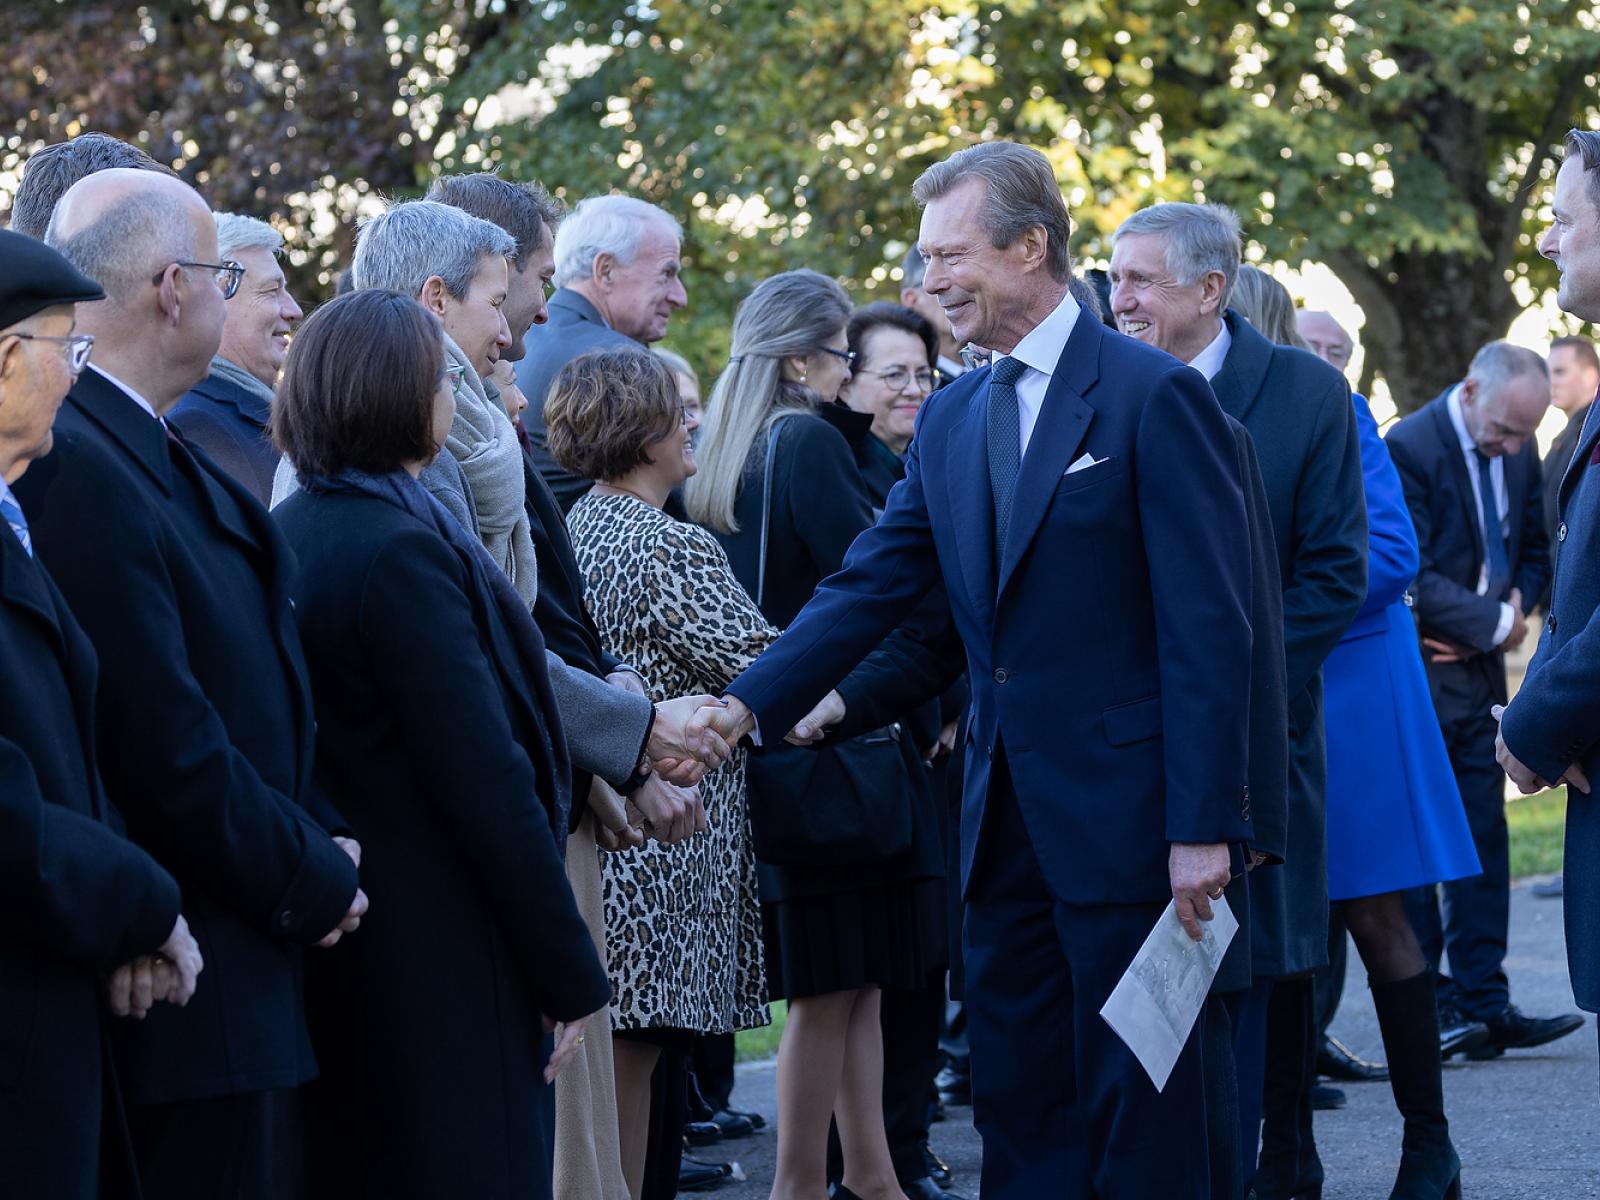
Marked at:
<point>33,277</point>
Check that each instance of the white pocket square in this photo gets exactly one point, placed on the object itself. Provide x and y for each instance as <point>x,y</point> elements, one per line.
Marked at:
<point>1084,463</point>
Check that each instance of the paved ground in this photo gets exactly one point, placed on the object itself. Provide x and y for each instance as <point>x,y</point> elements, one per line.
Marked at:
<point>1524,1124</point>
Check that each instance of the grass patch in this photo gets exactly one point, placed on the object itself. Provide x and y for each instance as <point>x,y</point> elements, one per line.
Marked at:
<point>1538,826</point>
<point>753,1045</point>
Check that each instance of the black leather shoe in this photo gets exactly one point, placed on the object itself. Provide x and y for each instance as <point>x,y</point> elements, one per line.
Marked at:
<point>701,1133</point>
<point>927,1189</point>
<point>1337,1061</point>
<point>732,1124</point>
<point>938,1170</point>
<point>696,1176</point>
<point>1325,1098</point>
<point>954,1086</point>
<point>1457,1035</point>
<point>757,1121</point>
<point>1513,1030</point>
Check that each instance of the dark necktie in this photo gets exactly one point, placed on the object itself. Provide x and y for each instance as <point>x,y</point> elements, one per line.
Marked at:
<point>12,512</point>
<point>1005,442</point>
<point>1494,541</point>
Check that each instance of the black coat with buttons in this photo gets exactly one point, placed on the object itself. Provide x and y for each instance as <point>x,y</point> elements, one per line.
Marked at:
<point>205,732</point>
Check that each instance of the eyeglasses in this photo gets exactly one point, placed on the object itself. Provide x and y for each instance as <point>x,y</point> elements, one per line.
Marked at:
<point>77,346</point>
<point>454,372</point>
<point>228,275</point>
<point>849,356</point>
<point>897,379</point>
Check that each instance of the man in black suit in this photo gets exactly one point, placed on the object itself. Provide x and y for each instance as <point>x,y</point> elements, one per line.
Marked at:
<point>1470,470</point>
<point>617,279</point>
<point>204,715</point>
<point>1172,267</point>
<point>79,900</point>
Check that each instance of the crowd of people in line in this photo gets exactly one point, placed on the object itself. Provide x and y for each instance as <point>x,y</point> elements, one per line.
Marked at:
<point>434,725</point>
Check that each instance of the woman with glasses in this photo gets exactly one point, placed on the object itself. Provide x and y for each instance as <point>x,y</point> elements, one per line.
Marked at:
<point>835,935</point>
<point>438,740</point>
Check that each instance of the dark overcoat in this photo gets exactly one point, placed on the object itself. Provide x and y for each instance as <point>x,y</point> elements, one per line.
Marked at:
<point>76,900</point>
<point>229,423</point>
<point>440,742</point>
<point>205,731</point>
<point>1298,412</point>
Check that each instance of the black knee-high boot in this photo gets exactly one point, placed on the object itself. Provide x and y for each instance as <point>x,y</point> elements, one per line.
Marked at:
<point>1289,1168</point>
<point>1409,1019</point>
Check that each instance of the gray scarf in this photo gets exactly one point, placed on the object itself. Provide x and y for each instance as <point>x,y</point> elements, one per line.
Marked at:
<point>240,378</point>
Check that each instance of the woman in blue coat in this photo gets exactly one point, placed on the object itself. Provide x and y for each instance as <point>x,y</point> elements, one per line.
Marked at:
<point>1395,819</point>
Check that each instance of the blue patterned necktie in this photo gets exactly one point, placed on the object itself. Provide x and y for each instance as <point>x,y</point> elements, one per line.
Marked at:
<point>1005,442</point>
<point>12,512</point>
<point>1496,559</point>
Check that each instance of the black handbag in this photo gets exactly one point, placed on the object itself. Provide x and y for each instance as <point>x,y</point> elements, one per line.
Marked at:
<point>844,803</point>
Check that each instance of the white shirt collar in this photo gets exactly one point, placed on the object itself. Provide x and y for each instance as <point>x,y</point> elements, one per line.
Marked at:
<point>1209,361</point>
<point>1459,420</point>
<point>1041,347</point>
<point>125,389</point>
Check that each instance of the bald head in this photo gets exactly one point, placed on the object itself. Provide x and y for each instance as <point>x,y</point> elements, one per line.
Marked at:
<point>1326,337</point>
<point>145,238</point>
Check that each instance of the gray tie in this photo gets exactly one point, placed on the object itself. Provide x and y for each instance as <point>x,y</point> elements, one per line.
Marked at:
<point>1005,443</point>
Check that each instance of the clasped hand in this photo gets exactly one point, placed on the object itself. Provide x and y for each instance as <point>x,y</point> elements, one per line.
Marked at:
<point>1521,774</point>
<point>169,974</point>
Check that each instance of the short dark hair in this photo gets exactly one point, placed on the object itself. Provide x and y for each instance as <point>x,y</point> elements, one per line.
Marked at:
<point>358,385</point>
<point>1581,346</point>
<point>523,210</point>
<point>883,314</point>
<point>51,171</point>
<point>607,408</point>
<point>1586,144</point>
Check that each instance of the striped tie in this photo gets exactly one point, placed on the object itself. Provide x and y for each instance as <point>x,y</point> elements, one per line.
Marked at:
<point>12,512</point>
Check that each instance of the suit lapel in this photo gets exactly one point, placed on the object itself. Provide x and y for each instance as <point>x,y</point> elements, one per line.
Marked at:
<point>970,500</point>
<point>23,586</point>
<point>1580,457</point>
<point>1456,466</point>
<point>1237,385</point>
<point>1064,420</point>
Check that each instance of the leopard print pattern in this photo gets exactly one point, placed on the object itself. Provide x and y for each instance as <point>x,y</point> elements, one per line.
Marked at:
<point>683,923</point>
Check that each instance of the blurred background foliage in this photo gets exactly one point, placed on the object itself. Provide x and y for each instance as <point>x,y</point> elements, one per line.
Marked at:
<point>1409,145</point>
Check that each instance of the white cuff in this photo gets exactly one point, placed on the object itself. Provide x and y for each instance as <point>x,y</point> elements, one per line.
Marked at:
<point>1508,618</point>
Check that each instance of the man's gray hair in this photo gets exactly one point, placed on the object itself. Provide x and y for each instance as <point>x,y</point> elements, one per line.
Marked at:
<point>129,243</point>
<point>913,270</point>
<point>612,225</point>
<point>236,233</point>
<point>1198,239</point>
<point>1022,193</point>
<point>1498,363</point>
<point>417,239</point>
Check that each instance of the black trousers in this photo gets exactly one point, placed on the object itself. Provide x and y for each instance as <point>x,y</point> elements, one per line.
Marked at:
<point>242,1147</point>
<point>1472,928</point>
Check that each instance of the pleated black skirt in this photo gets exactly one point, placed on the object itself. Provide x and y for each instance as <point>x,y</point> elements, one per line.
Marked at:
<point>890,935</point>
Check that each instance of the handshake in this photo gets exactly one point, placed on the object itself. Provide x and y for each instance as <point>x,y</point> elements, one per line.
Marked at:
<point>696,734</point>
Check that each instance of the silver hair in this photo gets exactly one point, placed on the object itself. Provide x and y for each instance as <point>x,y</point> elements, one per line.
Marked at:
<point>676,363</point>
<point>236,232</point>
<point>1198,239</point>
<point>129,242</point>
<point>1021,192</point>
<point>913,270</point>
<point>417,239</point>
<point>1498,363</point>
<point>611,225</point>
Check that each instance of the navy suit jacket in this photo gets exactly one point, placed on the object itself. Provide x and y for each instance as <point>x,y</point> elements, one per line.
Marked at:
<point>1554,720</point>
<point>1109,648</point>
<point>76,900</point>
<point>575,327</point>
<point>205,732</point>
<point>230,425</point>
<point>1440,494</point>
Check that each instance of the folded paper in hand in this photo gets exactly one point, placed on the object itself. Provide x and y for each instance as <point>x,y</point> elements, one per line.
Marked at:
<point>1154,1006</point>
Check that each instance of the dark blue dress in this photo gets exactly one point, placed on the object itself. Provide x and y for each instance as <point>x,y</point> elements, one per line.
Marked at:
<point>1395,818</point>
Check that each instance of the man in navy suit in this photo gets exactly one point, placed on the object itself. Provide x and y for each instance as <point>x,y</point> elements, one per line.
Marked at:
<point>1470,469</point>
<point>1172,269</point>
<point>1080,499</point>
<point>1551,732</point>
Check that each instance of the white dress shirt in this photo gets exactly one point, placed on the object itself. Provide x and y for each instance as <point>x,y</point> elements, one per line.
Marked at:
<point>1209,361</point>
<point>1039,351</point>
<point>126,390</point>
<point>1497,477</point>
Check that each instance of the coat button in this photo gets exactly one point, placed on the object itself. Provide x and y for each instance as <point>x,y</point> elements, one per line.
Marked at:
<point>286,920</point>
<point>1001,675</point>
<point>1551,623</point>
<point>1561,532</point>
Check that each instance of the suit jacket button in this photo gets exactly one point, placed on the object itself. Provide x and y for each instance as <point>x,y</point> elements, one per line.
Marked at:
<point>1001,675</point>
<point>1552,622</point>
<point>1561,532</point>
<point>286,920</point>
